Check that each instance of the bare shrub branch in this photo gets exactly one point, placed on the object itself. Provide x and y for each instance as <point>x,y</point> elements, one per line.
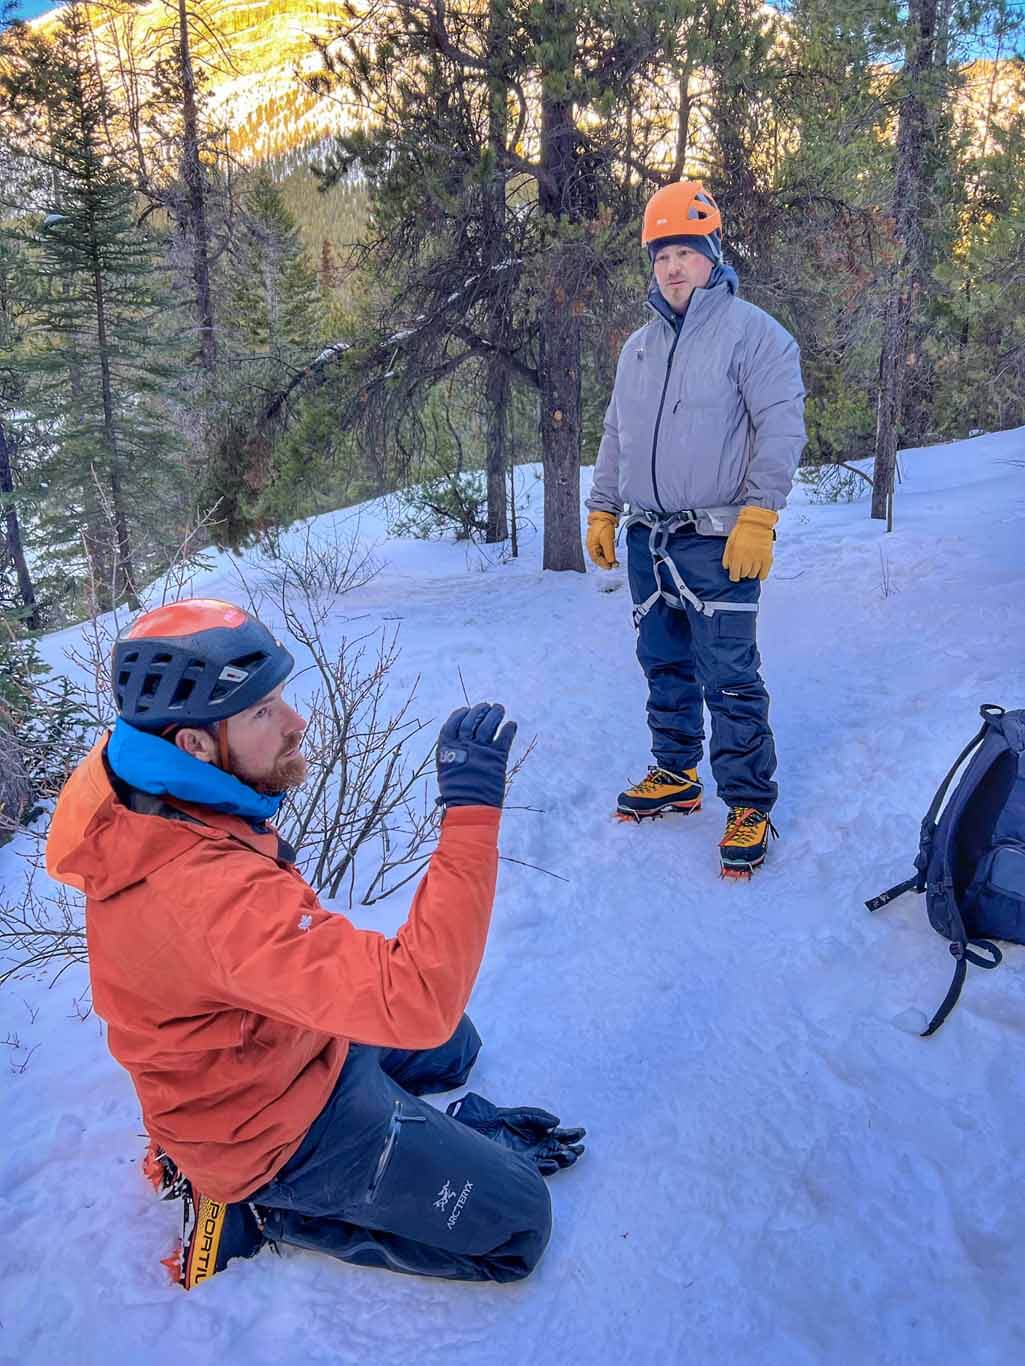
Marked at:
<point>364,797</point>
<point>43,932</point>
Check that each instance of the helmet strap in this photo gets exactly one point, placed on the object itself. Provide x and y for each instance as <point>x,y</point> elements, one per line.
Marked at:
<point>223,757</point>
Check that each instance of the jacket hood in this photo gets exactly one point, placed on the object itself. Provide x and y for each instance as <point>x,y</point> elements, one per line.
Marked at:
<point>99,846</point>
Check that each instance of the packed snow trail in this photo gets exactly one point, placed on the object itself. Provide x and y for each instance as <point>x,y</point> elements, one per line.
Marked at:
<point>779,1171</point>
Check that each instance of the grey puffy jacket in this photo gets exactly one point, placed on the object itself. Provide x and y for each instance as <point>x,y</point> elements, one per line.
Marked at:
<point>724,395</point>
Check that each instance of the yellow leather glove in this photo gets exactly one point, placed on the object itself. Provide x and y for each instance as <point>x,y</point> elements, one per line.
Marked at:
<point>748,553</point>
<point>601,539</point>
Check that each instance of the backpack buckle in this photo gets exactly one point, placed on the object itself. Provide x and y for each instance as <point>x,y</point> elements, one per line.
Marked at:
<point>956,949</point>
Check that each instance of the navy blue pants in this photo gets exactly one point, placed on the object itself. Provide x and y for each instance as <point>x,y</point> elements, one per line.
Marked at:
<point>384,1179</point>
<point>690,659</point>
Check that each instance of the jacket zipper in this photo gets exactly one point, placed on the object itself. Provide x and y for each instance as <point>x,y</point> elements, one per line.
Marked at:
<point>658,418</point>
<point>387,1152</point>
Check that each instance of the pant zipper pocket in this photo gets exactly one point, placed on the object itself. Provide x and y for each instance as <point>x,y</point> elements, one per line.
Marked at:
<point>388,1151</point>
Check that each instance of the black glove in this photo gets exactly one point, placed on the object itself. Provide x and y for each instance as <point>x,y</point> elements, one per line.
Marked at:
<point>534,1134</point>
<point>473,755</point>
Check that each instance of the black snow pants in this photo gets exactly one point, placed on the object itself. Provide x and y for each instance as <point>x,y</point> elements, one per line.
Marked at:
<point>384,1179</point>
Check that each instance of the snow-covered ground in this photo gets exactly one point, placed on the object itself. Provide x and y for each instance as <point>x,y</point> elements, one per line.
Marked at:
<point>779,1170</point>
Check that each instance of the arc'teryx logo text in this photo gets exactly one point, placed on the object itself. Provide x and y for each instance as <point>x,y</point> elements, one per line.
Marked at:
<point>446,1194</point>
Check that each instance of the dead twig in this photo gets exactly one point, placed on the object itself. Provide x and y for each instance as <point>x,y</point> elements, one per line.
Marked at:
<point>536,867</point>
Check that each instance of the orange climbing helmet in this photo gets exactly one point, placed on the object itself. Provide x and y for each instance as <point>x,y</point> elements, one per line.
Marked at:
<point>684,209</point>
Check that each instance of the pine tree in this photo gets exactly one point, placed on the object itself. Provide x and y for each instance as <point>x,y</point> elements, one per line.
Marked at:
<point>272,289</point>
<point>97,372</point>
<point>272,319</point>
<point>328,273</point>
<point>195,218</point>
<point>576,79</point>
<point>19,596</point>
<point>826,196</point>
<point>977,352</point>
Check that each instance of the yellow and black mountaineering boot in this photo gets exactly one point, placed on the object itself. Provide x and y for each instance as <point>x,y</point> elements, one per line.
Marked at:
<point>212,1232</point>
<point>659,792</point>
<point>742,847</point>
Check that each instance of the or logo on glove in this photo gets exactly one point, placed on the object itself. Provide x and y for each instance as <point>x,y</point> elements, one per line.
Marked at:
<point>473,754</point>
<point>452,756</point>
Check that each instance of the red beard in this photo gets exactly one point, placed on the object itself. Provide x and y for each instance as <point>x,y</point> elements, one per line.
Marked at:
<point>288,772</point>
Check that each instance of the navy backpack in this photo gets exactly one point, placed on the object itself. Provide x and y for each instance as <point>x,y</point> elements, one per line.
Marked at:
<point>971,862</point>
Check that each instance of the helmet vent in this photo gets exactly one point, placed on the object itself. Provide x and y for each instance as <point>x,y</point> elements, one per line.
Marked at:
<point>182,692</point>
<point>248,662</point>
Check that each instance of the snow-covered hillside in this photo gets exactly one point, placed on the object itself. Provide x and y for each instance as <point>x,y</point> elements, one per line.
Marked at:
<point>780,1172</point>
<point>250,53</point>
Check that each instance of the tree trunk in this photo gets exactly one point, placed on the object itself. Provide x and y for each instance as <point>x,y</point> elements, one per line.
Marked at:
<point>683,122</point>
<point>888,408</point>
<point>497,402</point>
<point>124,572</point>
<point>920,381</point>
<point>15,785</point>
<point>497,388</point>
<point>560,428</point>
<point>192,172</point>
<point>913,135</point>
<point>97,540</point>
<point>514,531</point>
<point>559,350</point>
<point>15,546</point>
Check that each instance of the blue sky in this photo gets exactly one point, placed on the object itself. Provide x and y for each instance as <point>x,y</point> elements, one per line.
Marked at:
<point>28,9</point>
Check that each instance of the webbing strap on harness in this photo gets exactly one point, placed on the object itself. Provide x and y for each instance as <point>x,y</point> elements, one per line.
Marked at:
<point>658,544</point>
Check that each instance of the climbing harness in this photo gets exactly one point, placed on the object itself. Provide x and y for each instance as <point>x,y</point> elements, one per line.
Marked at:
<point>660,531</point>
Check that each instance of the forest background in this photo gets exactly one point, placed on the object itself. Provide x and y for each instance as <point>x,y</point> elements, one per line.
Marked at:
<point>244,281</point>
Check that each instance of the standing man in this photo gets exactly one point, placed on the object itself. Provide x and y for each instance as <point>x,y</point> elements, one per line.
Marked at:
<point>277,1051</point>
<point>702,437</point>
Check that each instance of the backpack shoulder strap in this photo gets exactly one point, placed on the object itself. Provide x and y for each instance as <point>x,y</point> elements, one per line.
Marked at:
<point>989,714</point>
<point>963,956</point>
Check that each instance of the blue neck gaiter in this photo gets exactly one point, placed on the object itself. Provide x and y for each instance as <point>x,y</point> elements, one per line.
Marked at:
<point>154,765</point>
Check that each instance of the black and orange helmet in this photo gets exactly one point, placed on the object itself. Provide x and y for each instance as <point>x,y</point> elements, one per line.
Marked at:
<point>194,662</point>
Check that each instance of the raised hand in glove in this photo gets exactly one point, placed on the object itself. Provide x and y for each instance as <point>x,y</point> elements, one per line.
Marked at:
<point>473,755</point>
<point>534,1134</point>
<point>748,553</point>
<point>601,539</point>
